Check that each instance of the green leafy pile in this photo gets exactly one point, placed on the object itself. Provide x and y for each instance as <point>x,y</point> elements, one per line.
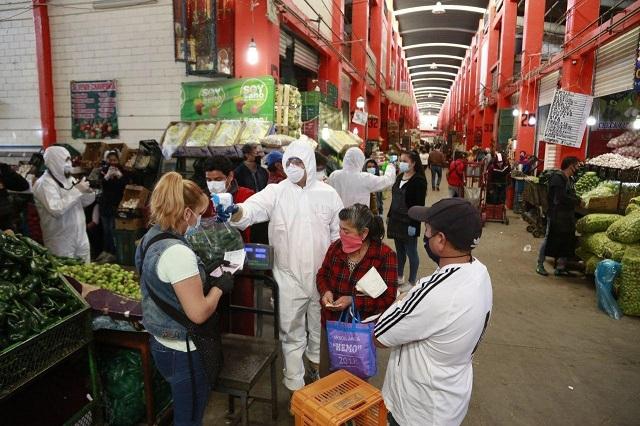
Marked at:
<point>587,182</point>
<point>596,222</point>
<point>626,230</point>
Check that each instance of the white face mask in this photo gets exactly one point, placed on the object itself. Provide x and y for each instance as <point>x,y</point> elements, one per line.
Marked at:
<point>67,169</point>
<point>294,173</point>
<point>321,175</point>
<point>217,187</point>
<point>372,170</point>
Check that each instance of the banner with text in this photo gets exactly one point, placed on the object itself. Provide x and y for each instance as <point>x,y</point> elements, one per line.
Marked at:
<point>93,109</point>
<point>251,98</point>
<point>567,118</point>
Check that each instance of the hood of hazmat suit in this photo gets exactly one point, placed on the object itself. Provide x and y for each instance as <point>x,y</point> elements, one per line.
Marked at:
<point>61,208</point>
<point>354,185</point>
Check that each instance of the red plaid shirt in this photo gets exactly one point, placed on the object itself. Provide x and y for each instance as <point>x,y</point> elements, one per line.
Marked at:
<point>334,276</point>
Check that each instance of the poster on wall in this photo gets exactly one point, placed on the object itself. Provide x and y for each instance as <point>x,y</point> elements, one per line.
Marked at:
<point>567,119</point>
<point>251,98</point>
<point>93,110</point>
<point>360,117</point>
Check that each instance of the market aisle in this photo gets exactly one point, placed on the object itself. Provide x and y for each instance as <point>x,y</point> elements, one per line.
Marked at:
<point>546,334</point>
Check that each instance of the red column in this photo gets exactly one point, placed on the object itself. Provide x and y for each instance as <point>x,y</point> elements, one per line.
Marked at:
<point>375,23</point>
<point>360,25</point>
<point>531,49</point>
<point>473,89</point>
<point>45,71</point>
<point>331,65</point>
<point>265,34</point>
<point>507,50</point>
<point>577,70</point>
<point>492,39</point>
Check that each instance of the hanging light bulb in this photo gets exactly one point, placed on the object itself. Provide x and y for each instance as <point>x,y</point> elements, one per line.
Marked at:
<point>532,120</point>
<point>433,66</point>
<point>591,121</point>
<point>360,102</point>
<point>355,131</point>
<point>526,112</point>
<point>636,123</point>
<point>430,95</point>
<point>516,112</point>
<point>438,9</point>
<point>326,132</point>
<point>252,53</point>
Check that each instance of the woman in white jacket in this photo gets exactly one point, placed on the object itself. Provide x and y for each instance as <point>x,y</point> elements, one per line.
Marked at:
<point>355,186</point>
<point>60,203</point>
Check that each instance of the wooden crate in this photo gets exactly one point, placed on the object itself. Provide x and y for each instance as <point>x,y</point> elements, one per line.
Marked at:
<point>92,155</point>
<point>130,224</point>
<point>603,205</point>
<point>133,192</point>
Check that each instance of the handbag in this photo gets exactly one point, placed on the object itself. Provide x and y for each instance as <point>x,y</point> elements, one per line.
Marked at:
<point>351,346</point>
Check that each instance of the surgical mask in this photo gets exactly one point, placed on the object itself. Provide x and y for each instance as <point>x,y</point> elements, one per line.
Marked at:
<point>258,159</point>
<point>321,174</point>
<point>430,252</point>
<point>217,187</point>
<point>371,170</point>
<point>67,169</point>
<point>403,166</point>
<point>294,173</point>
<point>350,243</point>
<point>193,229</point>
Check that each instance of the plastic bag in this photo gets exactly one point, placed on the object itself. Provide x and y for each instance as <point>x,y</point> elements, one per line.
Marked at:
<point>351,345</point>
<point>213,240</point>
<point>606,273</point>
<point>472,195</point>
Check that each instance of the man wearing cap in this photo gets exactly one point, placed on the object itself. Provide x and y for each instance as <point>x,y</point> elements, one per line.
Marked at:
<point>436,328</point>
<point>274,165</point>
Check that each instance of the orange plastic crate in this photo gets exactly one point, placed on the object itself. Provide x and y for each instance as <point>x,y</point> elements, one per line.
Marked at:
<point>338,399</point>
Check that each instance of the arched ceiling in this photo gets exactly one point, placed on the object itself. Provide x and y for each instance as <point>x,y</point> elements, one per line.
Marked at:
<point>435,44</point>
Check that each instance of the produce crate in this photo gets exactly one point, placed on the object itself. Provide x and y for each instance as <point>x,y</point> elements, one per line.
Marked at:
<point>126,246</point>
<point>200,150</point>
<point>337,399</point>
<point>603,205</point>
<point>92,155</point>
<point>149,156</point>
<point>130,224</point>
<point>129,161</point>
<point>22,362</point>
<point>133,192</point>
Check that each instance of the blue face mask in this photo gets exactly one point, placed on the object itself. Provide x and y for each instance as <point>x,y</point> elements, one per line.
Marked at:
<point>372,170</point>
<point>191,230</point>
<point>404,166</point>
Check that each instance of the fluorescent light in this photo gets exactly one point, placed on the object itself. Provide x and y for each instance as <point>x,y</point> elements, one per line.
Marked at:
<point>434,66</point>
<point>418,9</point>
<point>416,46</point>
<point>252,53</point>
<point>114,4</point>
<point>515,112</point>
<point>435,55</point>
<point>591,121</point>
<point>452,74</point>
<point>430,89</point>
<point>438,9</point>
<point>326,132</point>
<point>433,79</point>
<point>532,120</point>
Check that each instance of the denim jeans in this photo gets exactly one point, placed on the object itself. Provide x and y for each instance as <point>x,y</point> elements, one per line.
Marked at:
<point>408,248</point>
<point>108,225</point>
<point>174,367</point>
<point>561,261</point>
<point>436,176</point>
<point>455,191</point>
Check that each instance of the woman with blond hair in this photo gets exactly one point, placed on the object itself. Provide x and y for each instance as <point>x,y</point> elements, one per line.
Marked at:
<point>173,283</point>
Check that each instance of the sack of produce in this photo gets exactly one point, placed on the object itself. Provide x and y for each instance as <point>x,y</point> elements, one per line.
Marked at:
<point>625,139</point>
<point>606,273</point>
<point>596,222</point>
<point>631,208</point>
<point>595,243</point>
<point>629,295</point>
<point>591,264</point>
<point>276,141</point>
<point>587,182</point>
<point>583,254</point>
<point>629,151</point>
<point>213,240</point>
<point>614,250</point>
<point>626,230</point>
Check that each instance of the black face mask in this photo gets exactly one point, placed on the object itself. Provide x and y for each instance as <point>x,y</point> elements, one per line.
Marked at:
<point>430,253</point>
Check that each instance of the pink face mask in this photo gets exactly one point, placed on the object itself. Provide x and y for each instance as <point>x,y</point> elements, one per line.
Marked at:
<point>350,243</point>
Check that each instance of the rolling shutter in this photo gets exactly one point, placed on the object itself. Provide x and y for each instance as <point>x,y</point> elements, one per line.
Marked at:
<point>550,156</point>
<point>305,57</point>
<point>615,65</point>
<point>285,40</point>
<point>548,85</point>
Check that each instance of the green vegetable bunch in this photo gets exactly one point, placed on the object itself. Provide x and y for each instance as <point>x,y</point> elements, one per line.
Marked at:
<point>213,240</point>
<point>626,230</point>
<point>107,276</point>
<point>587,182</point>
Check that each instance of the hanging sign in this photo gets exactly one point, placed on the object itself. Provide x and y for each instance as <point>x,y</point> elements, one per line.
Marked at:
<point>93,109</point>
<point>360,118</point>
<point>228,99</point>
<point>567,118</point>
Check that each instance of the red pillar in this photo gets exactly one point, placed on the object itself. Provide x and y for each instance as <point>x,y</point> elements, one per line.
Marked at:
<point>489,115</point>
<point>577,70</point>
<point>265,34</point>
<point>375,23</point>
<point>473,89</point>
<point>331,65</point>
<point>531,49</point>
<point>360,25</point>
<point>45,71</point>
<point>507,50</point>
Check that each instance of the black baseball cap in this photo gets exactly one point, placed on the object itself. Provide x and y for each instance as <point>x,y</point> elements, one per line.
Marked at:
<point>456,218</point>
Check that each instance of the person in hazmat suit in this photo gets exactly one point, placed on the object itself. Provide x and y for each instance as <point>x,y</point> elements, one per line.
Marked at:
<point>60,201</point>
<point>355,186</point>
<point>303,222</point>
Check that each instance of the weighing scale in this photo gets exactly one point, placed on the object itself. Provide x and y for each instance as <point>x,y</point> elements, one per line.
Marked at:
<point>259,257</point>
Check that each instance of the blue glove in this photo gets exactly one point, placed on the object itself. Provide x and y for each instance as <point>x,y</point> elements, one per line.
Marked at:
<point>412,231</point>
<point>223,215</point>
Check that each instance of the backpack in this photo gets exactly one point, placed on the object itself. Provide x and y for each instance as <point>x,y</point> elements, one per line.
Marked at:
<point>546,175</point>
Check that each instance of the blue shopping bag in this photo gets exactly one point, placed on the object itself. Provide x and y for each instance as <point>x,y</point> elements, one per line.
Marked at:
<point>351,345</point>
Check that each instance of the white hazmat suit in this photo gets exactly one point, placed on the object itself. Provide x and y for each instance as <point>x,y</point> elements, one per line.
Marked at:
<point>303,222</point>
<point>61,207</point>
<point>353,184</point>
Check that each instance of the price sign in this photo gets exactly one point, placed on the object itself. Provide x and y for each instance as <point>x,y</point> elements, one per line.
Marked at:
<point>93,109</point>
<point>567,118</point>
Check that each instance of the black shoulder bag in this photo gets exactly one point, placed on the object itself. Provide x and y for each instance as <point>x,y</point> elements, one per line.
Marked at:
<point>205,336</point>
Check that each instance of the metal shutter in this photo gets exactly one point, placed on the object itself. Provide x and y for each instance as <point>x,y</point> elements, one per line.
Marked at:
<point>548,85</point>
<point>615,65</point>
<point>285,40</point>
<point>550,156</point>
<point>305,57</point>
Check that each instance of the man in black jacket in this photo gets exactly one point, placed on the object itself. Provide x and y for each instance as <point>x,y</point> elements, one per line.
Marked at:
<point>9,181</point>
<point>560,238</point>
<point>250,174</point>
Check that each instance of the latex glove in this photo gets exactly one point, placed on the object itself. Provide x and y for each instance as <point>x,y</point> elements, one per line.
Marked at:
<point>224,283</point>
<point>223,215</point>
<point>412,231</point>
<point>83,186</point>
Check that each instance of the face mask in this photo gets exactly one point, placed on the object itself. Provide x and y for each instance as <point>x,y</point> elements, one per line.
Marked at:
<point>67,171</point>
<point>350,243</point>
<point>321,175</point>
<point>404,166</point>
<point>294,173</point>
<point>217,187</point>
<point>193,229</point>
<point>430,252</point>
<point>258,159</point>
<point>371,170</point>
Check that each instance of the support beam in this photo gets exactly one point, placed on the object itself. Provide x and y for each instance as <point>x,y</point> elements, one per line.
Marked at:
<point>45,71</point>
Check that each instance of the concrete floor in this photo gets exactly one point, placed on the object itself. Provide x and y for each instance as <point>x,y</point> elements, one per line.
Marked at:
<point>549,356</point>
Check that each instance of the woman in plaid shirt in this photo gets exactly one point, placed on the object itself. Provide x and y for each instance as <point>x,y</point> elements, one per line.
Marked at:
<point>348,259</point>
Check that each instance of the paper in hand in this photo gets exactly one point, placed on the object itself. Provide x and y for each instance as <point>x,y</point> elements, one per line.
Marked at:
<point>236,261</point>
<point>371,284</point>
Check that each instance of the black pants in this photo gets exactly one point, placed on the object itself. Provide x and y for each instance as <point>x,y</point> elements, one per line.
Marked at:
<point>391,420</point>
